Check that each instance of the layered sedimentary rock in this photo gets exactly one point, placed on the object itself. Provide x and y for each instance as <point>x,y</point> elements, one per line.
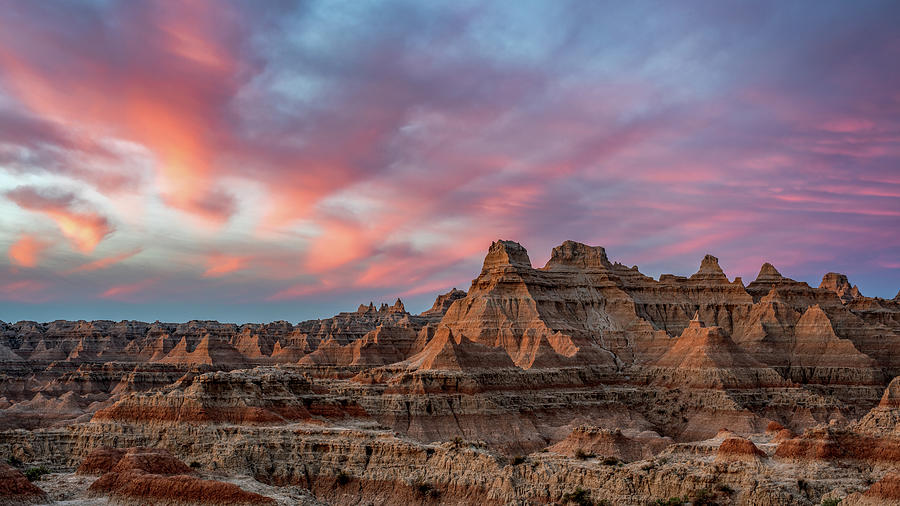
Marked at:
<point>706,357</point>
<point>258,396</point>
<point>840,285</point>
<point>589,442</point>
<point>569,312</point>
<point>537,382</point>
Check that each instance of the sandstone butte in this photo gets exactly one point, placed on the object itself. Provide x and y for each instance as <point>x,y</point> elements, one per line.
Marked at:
<point>581,381</point>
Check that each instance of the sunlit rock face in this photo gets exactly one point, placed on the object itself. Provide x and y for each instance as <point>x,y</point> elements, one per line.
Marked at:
<point>564,370</point>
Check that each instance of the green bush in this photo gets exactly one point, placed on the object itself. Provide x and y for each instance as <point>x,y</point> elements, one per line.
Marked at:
<point>13,461</point>
<point>195,465</point>
<point>672,501</point>
<point>518,460</point>
<point>834,501</point>
<point>343,478</point>
<point>35,473</point>
<point>610,461</point>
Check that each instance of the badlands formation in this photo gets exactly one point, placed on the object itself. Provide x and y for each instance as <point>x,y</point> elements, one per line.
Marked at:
<point>581,382</point>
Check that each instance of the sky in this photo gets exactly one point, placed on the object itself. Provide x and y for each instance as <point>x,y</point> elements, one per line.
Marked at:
<point>257,161</point>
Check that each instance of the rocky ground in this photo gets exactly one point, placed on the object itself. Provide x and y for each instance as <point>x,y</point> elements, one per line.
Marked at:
<point>580,382</point>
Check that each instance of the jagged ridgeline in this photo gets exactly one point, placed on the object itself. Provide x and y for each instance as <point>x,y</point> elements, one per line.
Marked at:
<point>592,375</point>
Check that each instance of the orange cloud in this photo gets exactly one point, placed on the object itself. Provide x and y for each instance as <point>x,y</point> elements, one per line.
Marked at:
<point>27,250</point>
<point>124,290</point>
<point>339,244</point>
<point>220,265</point>
<point>103,263</point>
<point>193,45</point>
<point>84,229</point>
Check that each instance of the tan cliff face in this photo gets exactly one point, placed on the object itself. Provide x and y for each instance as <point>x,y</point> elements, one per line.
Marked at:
<point>583,373</point>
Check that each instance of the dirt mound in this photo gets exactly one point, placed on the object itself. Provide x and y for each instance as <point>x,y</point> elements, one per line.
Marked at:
<point>16,489</point>
<point>738,448</point>
<point>143,488</point>
<point>101,460</point>
<point>883,492</point>
<point>587,440</point>
<point>142,475</point>
<point>837,445</point>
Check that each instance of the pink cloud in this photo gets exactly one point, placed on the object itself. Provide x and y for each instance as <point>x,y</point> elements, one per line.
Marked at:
<point>83,228</point>
<point>24,291</point>
<point>187,43</point>
<point>220,264</point>
<point>103,263</point>
<point>26,252</point>
<point>125,291</point>
<point>848,125</point>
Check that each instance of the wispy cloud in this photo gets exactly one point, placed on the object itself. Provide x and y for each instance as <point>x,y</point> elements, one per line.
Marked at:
<point>344,149</point>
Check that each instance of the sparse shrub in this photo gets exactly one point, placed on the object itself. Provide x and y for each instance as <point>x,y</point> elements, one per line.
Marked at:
<point>610,461</point>
<point>426,489</point>
<point>672,501</point>
<point>458,441</point>
<point>518,460</point>
<point>35,473</point>
<point>703,497</point>
<point>195,465</point>
<point>582,455</point>
<point>343,478</point>
<point>831,501</point>
<point>13,461</point>
<point>580,496</point>
<point>803,486</point>
<point>724,488</point>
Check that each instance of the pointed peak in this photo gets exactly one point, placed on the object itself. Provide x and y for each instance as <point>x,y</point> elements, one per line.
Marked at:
<point>506,253</point>
<point>576,254</point>
<point>768,272</point>
<point>710,265</point>
<point>397,307</point>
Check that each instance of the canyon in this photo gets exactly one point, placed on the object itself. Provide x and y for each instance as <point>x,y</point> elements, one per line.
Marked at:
<point>580,382</point>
